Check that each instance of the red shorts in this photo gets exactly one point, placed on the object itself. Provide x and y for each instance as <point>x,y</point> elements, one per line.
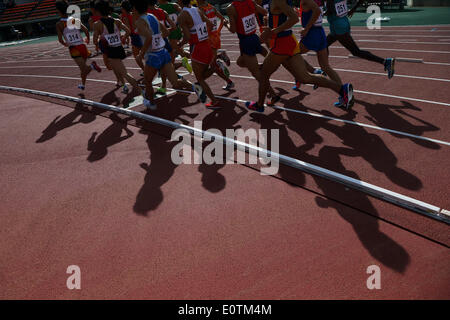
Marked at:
<point>285,46</point>
<point>79,51</point>
<point>202,52</point>
<point>214,39</point>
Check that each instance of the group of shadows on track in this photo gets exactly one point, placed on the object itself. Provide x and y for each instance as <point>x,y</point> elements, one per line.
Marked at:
<point>355,138</point>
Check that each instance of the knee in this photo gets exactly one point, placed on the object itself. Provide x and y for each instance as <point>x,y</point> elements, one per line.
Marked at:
<point>240,62</point>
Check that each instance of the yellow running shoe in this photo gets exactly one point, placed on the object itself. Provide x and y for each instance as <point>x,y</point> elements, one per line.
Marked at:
<point>186,64</point>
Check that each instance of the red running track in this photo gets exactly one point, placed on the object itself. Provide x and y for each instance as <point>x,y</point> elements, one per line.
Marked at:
<point>140,227</point>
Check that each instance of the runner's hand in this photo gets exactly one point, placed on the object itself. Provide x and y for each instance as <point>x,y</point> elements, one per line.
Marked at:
<point>304,32</point>
<point>86,41</point>
<point>266,34</point>
<point>350,13</point>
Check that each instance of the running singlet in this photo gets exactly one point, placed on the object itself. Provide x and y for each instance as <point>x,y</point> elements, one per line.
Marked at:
<point>246,18</point>
<point>199,32</point>
<point>211,15</point>
<point>157,40</point>
<point>306,16</point>
<point>158,13</point>
<point>171,12</point>
<point>129,17</point>
<point>111,33</point>
<point>275,20</point>
<point>72,36</point>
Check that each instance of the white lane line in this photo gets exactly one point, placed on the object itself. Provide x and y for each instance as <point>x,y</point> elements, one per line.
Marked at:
<point>283,108</point>
<point>375,49</point>
<point>244,77</point>
<point>343,70</point>
<point>359,91</point>
<point>370,189</point>
<point>414,41</point>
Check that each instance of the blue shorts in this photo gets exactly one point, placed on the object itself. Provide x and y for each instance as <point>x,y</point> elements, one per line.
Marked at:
<point>158,59</point>
<point>250,45</point>
<point>315,40</point>
<point>136,40</point>
<point>168,47</point>
<point>338,25</point>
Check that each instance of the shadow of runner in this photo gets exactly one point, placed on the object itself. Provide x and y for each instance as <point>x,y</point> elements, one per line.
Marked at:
<point>221,119</point>
<point>98,145</point>
<point>380,246</point>
<point>157,173</point>
<point>383,115</point>
<point>59,124</point>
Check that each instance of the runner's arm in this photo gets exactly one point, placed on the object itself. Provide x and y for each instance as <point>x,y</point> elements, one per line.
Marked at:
<point>231,12</point>
<point>260,9</point>
<point>352,11</point>
<point>86,32</point>
<point>164,31</point>
<point>209,24</point>
<point>310,5</point>
<point>184,29</point>
<point>123,27</point>
<point>144,31</point>
<point>97,31</point>
<point>60,36</point>
<point>292,17</point>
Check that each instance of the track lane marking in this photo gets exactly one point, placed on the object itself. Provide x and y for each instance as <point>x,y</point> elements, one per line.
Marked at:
<point>317,115</point>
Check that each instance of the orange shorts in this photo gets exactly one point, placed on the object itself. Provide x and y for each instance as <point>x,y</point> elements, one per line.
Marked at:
<point>285,46</point>
<point>202,52</point>
<point>79,51</point>
<point>214,39</point>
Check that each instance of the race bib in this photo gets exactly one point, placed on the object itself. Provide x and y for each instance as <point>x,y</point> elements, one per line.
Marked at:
<point>113,39</point>
<point>157,42</point>
<point>249,23</point>
<point>173,17</point>
<point>215,23</point>
<point>341,8</point>
<point>73,37</point>
<point>202,31</point>
<point>319,20</point>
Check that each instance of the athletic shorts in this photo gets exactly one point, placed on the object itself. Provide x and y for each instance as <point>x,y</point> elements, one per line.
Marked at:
<point>315,40</point>
<point>250,45</point>
<point>214,39</point>
<point>338,25</point>
<point>79,51</point>
<point>285,46</point>
<point>168,47</point>
<point>136,41</point>
<point>202,53</point>
<point>157,59</point>
<point>176,34</point>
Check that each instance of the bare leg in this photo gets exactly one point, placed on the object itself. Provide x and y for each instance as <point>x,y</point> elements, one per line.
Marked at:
<point>201,73</point>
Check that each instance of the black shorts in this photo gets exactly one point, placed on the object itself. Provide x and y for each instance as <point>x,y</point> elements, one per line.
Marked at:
<point>250,45</point>
<point>112,52</point>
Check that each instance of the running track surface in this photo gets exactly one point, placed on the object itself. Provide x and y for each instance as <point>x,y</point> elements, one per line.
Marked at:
<point>99,190</point>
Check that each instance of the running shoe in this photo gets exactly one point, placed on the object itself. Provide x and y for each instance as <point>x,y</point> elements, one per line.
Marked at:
<point>252,105</point>
<point>147,102</point>
<point>95,66</point>
<point>224,69</point>
<point>162,91</point>
<point>273,100</point>
<point>389,65</point>
<point>197,88</point>
<point>125,89</point>
<point>318,71</point>
<point>213,106</point>
<point>296,86</point>
<point>141,74</point>
<point>341,104</point>
<point>81,87</point>
<point>346,95</point>
<point>179,77</point>
<point>229,86</point>
<point>223,55</point>
<point>186,65</point>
